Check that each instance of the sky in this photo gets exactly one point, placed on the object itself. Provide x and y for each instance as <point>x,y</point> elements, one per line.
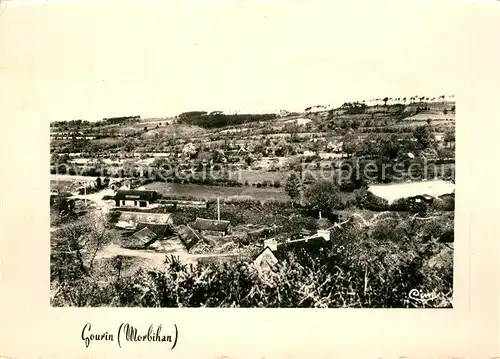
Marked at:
<point>88,60</point>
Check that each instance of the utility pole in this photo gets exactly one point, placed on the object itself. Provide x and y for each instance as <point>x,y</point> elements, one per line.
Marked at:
<point>218,209</point>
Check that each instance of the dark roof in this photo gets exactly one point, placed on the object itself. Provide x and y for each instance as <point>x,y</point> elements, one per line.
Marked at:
<point>210,225</point>
<point>145,235</point>
<point>161,230</point>
<point>425,197</point>
<point>306,242</point>
<point>188,237</point>
<point>136,195</point>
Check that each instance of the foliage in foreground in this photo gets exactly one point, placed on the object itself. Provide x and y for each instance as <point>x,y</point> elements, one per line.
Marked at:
<point>375,266</point>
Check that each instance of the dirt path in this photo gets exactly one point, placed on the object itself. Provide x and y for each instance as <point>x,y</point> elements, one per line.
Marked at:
<point>97,199</point>
<point>157,258</point>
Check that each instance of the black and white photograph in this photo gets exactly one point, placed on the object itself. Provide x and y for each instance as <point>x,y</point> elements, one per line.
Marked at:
<point>273,169</point>
<point>248,179</point>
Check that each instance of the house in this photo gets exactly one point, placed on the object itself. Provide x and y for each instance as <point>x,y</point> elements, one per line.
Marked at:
<point>212,227</point>
<point>439,137</point>
<point>316,240</point>
<point>271,243</point>
<point>188,236</point>
<point>266,259</point>
<point>145,236</point>
<point>135,198</point>
<point>420,203</point>
<point>145,217</point>
<point>377,109</point>
<point>159,229</point>
<point>131,220</point>
<point>421,198</point>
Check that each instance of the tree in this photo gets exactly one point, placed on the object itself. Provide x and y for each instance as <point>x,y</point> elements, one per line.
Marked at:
<point>106,182</point>
<point>423,135</point>
<point>75,248</point>
<point>98,183</point>
<point>349,145</point>
<point>292,186</point>
<point>449,138</point>
<point>323,196</point>
<point>385,99</point>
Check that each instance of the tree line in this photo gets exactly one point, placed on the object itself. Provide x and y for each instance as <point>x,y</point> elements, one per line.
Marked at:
<point>218,119</point>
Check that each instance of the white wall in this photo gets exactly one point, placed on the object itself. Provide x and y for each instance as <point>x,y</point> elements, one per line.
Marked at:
<point>131,203</point>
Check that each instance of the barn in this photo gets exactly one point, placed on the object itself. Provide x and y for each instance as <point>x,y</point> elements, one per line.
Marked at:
<point>212,227</point>
<point>135,198</point>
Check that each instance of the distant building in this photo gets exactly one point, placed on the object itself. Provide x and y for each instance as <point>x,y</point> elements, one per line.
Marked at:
<point>319,239</point>
<point>377,109</point>
<point>212,227</point>
<point>439,137</point>
<point>135,198</point>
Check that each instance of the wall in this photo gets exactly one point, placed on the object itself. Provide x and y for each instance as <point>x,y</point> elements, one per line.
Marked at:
<point>131,203</point>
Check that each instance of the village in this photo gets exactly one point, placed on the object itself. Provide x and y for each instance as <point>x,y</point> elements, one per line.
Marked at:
<point>255,189</point>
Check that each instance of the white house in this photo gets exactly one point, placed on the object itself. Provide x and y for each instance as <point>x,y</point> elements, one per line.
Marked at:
<point>135,198</point>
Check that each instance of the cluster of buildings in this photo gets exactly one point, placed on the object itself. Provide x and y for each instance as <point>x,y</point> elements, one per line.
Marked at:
<point>147,227</point>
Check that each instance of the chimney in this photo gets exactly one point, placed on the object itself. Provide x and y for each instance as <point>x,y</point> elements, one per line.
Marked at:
<point>218,209</point>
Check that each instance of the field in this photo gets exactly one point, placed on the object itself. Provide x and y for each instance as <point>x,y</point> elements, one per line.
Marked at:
<point>207,192</point>
<point>373,255</point>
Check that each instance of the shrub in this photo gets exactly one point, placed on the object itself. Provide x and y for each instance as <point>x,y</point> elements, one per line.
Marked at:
<point>375,269</point>
<point>368,200</point>
<point>446,204</point>
<point>400,204</point>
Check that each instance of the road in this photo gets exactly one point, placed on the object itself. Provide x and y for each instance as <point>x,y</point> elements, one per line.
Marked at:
<point>157,258</point>
<point>67,178</point>
<point>96,198</point>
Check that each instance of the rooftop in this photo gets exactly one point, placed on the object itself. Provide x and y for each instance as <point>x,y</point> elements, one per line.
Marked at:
<point>140,195</point>
<point>145,217</point>
<point>210,225</point>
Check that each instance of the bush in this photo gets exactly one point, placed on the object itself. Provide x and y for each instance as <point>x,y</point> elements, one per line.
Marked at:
<point>400,204</point>
<point>363,269</point>
<point>367,200</point>
<point>446,204</point>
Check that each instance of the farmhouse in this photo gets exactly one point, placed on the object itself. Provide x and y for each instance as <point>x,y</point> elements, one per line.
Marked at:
<point>188,236</point>
<point>131,220</point>
<point>316,240</point>
<point>212,227</point>
<point>135,198</point>
<point>144,237</point>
